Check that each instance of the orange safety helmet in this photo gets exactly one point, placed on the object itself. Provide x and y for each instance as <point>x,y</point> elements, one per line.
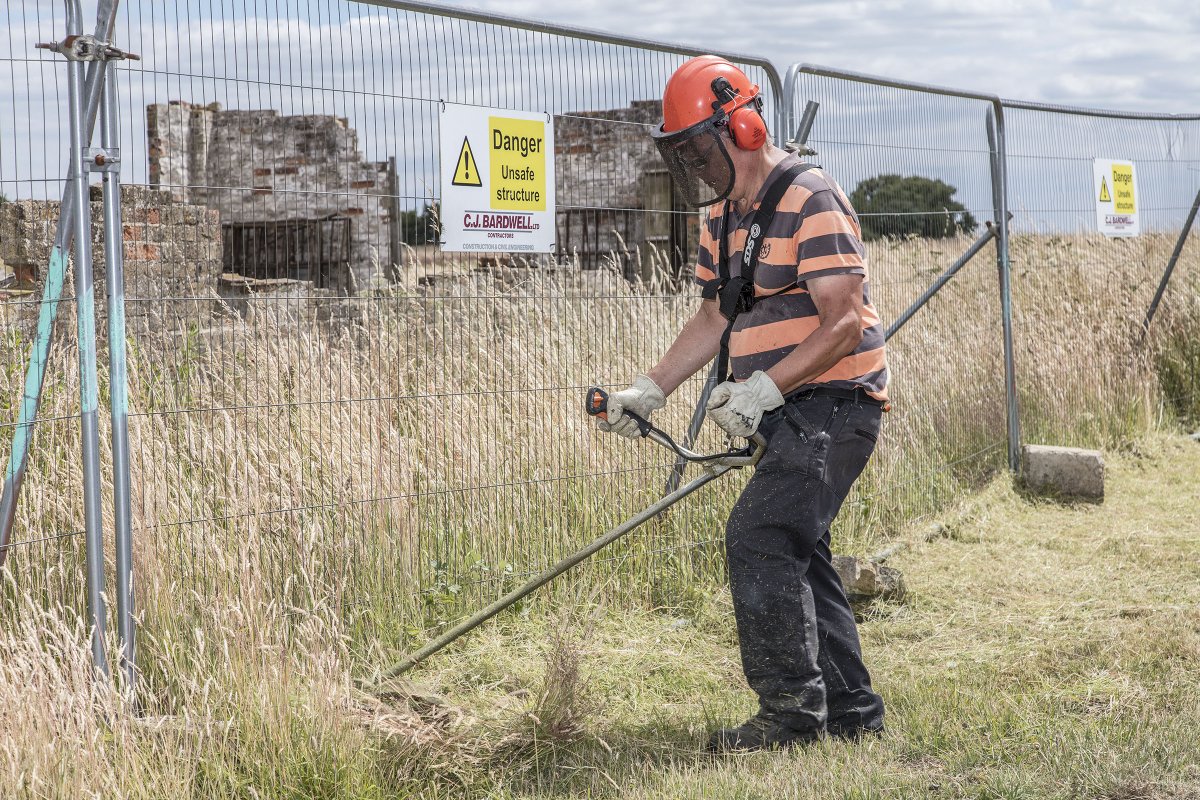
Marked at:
<point>704,95</point>
<point>692,93</point>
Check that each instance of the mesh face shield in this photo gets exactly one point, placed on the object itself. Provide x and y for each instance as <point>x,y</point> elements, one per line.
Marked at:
<point>698,161</point>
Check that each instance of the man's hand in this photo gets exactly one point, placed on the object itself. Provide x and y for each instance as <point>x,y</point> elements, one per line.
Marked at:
<point>739,407</point>
<point>642,398</point>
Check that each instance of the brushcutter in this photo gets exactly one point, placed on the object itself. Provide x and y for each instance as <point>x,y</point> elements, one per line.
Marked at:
<point>714,465</point>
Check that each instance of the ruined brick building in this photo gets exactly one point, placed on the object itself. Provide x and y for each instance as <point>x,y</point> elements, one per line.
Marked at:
<point>290,198</point>
<point>295,197</point>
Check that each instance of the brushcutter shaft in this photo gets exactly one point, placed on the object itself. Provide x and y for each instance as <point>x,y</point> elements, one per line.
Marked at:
<point>553,572</point>
<point>715,465</point>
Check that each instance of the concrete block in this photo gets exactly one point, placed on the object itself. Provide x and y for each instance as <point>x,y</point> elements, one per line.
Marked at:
<point>1066,472</point>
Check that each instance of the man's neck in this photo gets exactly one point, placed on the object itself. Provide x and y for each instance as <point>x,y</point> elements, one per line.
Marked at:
<point>762,169</point>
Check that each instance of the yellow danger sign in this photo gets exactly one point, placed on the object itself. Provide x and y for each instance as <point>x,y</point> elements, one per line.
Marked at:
<point>467,172</point>
<point>1104,195</point>
<point>518,163</point>
<point>1123,202</point>
<point>497,180</point>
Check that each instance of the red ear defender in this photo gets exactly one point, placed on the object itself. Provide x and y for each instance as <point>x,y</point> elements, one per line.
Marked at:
<point>745,123</point>
<point>747,128</point>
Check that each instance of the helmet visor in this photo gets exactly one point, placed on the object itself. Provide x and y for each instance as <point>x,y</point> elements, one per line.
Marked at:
<point>698,162</point>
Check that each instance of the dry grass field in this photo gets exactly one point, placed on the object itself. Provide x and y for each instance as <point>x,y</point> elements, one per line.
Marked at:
<point>320,483</point>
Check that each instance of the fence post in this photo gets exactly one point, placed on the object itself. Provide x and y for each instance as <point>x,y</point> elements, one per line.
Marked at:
<point>118,380</point>
<point>86,316</point>
<point>395,237</point>
<point>999,168</point>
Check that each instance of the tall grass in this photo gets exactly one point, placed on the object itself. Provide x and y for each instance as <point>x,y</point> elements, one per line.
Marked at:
<point>319,482</point>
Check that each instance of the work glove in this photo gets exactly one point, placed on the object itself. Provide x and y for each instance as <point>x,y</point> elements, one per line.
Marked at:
<point>739,407</point>
<point>642,398</point>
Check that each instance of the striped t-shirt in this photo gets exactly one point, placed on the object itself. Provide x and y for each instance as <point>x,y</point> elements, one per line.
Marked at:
<point>813,233</point>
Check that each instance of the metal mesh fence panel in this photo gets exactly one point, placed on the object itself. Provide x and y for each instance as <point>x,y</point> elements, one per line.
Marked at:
<point>917,167</point>
<point>1086,372</point>
<point>324,407</point>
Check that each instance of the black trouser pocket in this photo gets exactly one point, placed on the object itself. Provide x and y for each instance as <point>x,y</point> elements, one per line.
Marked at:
<point>798,423</point>
<point>802,445</point>
<point>804,427</point>
<point>854,445</point>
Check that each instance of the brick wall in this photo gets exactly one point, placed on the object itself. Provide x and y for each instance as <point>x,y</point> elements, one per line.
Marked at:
<point>258,166</point>
<point>172,250</point>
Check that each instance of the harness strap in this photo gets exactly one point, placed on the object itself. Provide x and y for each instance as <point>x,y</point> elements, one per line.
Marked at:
<point>737,294</point>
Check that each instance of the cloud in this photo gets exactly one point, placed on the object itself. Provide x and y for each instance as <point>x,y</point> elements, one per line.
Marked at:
<point>1081,53</point>
<point>388,71</point>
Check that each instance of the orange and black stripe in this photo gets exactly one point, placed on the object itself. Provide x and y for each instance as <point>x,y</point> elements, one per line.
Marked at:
<point>814,233</point>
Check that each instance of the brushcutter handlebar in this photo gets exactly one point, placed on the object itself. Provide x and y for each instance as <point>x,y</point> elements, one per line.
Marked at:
<point>597,406</point>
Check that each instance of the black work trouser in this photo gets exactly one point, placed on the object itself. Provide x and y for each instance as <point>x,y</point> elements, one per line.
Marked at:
<point>799,644</point>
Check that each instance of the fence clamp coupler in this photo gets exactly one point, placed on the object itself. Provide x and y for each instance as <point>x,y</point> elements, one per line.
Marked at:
<point>102,159</point>
<point>87,48</point>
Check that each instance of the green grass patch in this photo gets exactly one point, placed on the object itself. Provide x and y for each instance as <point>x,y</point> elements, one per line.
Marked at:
<point>1047,650</point>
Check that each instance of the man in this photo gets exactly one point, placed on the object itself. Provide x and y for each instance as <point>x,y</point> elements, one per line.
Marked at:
<point>806,353</point>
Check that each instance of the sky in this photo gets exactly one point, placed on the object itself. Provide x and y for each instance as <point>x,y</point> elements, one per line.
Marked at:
<point>390,74</point>
<point>1142,56</point>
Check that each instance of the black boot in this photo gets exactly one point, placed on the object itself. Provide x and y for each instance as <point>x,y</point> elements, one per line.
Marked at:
<point>759,733</point>
<point>855,733</point>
